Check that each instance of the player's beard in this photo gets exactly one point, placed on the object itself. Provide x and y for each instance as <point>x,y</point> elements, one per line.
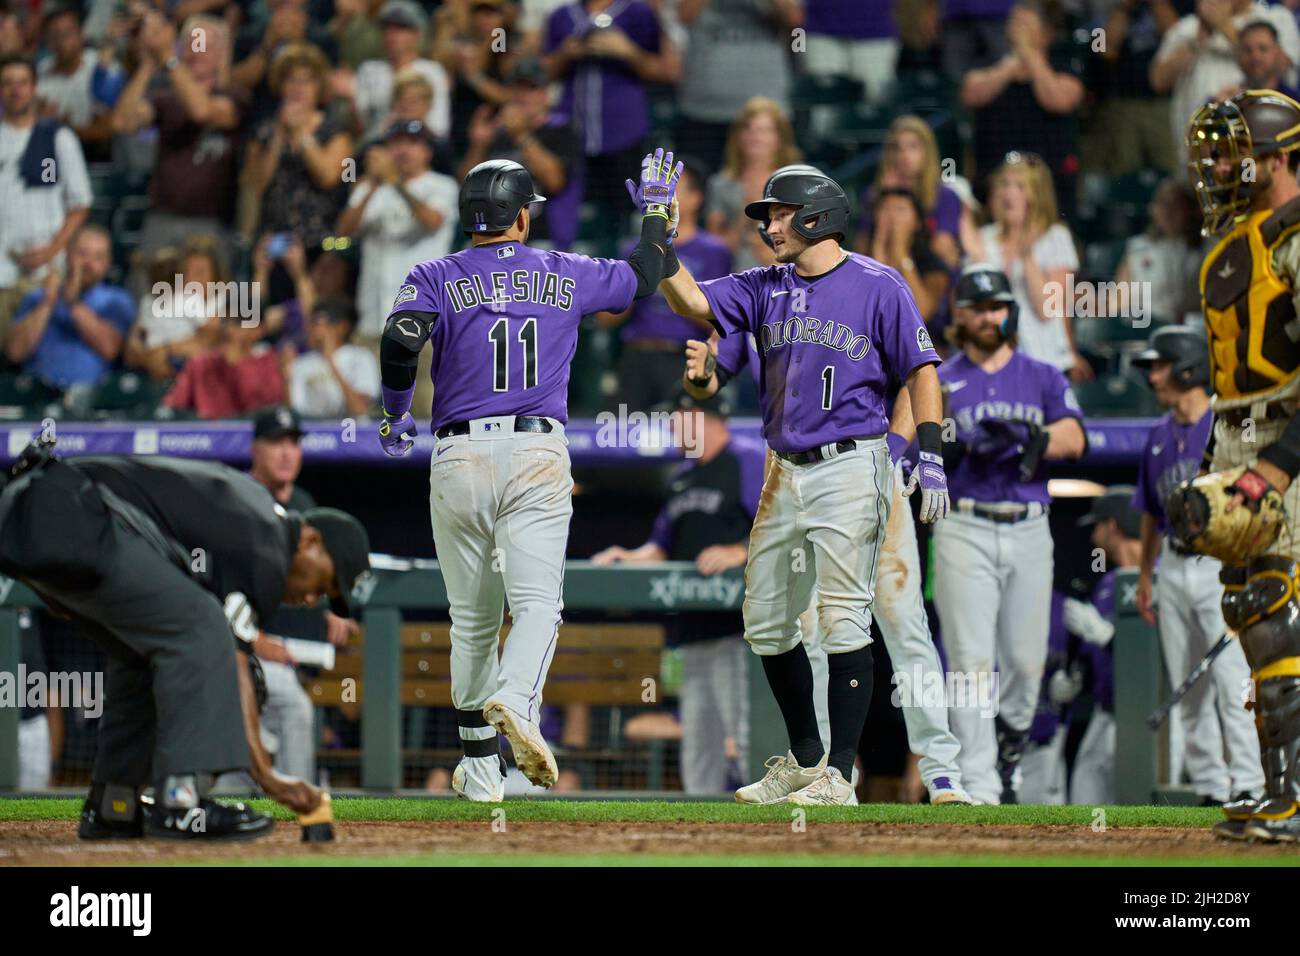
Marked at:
<point>791,248</point>
<point>986,337</point>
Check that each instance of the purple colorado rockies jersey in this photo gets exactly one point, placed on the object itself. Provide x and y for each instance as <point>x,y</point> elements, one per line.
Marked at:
<point>512,359</point>
<point>1172,455</point>
<point>1024,389</point>
<point>827,346</point>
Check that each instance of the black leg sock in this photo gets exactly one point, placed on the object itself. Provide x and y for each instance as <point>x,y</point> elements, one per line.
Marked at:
<point>791,679</point>
<point>849,693</point>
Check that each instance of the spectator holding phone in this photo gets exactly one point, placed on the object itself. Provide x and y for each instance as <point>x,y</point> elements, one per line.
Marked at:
<point>183,89</point>
<point>403,212</point>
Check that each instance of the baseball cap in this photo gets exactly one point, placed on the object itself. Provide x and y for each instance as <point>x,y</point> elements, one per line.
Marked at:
<point>981,282</point>
<point>349,545</point>
<point>1116,502</point>
<point>413,127</point>
<point>530,70</point>
<point>276,421</point>
<point>402,13</point>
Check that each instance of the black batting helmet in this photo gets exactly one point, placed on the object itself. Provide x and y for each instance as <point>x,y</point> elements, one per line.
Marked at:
<point>792,168</point>
<point>1183,345</point>
<point>824,208</point>
<point>981,282</point>
<point>492,195</point>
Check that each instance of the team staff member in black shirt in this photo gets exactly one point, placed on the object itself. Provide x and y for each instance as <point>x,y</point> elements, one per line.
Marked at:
<point>159,560</point>
<point>706,519</point>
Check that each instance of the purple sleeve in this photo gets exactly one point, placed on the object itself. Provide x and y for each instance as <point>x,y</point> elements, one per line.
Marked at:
<point>558,28</point>
<point>733,353</point>
<point>1144,494</point>
<point>643,29</point>
<point>947,212</point>
<point>662,533</point>
<point>902,331</point>
<point>419,293</point>
<point>604,285</point>
<point>733,300</point>
<point>753,465</point>
<point>1058,401</point>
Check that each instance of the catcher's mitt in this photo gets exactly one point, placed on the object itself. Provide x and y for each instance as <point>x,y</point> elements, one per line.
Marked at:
<point>1199,519</point>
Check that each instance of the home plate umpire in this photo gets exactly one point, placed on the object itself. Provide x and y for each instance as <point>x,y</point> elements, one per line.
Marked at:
<point>160,560</point>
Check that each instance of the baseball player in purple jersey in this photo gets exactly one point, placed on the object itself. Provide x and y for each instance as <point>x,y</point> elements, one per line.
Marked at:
<point>899,607</point>
<point>1005,413</point>
<point>502,319</point>
<point>1220,746</point>
<point>832,328</point>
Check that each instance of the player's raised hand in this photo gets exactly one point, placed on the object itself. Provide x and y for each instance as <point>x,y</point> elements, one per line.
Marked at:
<point>397,435</point>
<point>929,476</point>
<point>659,179</point>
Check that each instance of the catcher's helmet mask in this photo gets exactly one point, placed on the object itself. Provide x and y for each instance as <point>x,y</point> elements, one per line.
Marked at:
<point>492,195</point>
<point>1224,141</point>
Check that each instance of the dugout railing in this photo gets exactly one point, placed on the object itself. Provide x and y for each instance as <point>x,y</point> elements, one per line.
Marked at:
<point>399,587</point>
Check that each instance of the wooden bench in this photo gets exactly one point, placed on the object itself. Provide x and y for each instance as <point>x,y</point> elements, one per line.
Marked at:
<point>602,664</point>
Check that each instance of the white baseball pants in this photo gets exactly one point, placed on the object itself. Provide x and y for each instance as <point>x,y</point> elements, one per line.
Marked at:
<point>500,503</point>
<point>993,591</point>
<point>1220,745</point>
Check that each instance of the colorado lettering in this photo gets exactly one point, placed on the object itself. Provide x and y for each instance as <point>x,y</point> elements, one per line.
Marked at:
<point>1010,411</point>
<point>519,285</point>
<point>814,331</point>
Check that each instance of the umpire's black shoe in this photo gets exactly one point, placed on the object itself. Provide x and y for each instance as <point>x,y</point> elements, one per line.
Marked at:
<point>116,816</point>
<point>210,820</point>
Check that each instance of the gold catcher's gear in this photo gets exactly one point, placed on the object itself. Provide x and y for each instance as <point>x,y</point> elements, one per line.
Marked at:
<point>1249,311</point>
<point>1224,139</point>
<point>1200,521</point>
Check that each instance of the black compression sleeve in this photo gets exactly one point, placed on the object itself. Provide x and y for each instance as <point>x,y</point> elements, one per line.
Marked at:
<point>399,349</point>
<point>647,259</point>
<point>1285,452</point>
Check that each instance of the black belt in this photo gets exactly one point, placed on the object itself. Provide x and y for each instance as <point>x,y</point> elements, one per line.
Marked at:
<point>523,423</point>
<point>999,516</point>
<point>817,454</point>
<point>1237,416</point>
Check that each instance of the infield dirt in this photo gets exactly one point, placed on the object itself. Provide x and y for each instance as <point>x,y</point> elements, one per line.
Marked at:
<point>54,843</point>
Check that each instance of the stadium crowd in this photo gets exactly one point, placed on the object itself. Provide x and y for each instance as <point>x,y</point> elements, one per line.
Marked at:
<point>215,200</point>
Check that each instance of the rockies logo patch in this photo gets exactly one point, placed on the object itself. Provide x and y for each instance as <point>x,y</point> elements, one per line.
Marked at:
<point>923,341</point>
<point>406,293</point>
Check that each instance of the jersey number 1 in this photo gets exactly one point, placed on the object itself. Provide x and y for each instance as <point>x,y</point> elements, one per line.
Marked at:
<point>499,336</point>
<point>828,386</point>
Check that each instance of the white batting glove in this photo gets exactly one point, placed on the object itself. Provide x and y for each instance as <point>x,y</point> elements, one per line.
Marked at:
<point>1083,619</point>
<point>929,476</point>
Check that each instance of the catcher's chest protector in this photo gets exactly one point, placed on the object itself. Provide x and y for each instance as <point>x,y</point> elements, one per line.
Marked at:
<point>1248,309</point>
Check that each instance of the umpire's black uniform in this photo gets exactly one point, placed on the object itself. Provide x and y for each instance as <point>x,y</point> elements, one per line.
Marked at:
<point>153,555</point>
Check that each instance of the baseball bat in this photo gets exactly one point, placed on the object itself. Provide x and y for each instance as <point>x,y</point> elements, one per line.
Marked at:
<point>1160,713</point>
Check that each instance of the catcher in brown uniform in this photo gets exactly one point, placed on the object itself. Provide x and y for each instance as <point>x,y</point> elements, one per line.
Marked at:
<point>1244,508</point>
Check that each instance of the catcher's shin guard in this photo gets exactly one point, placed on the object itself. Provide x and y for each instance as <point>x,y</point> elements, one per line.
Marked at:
<point>1011,747</point>
<point>1262,604</point>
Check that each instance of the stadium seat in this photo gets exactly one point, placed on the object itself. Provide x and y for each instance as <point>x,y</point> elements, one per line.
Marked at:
<point>127,395</point>
<point>25,398</point>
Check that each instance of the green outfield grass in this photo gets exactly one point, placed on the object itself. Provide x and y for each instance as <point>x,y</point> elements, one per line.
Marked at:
<point>651,811</point>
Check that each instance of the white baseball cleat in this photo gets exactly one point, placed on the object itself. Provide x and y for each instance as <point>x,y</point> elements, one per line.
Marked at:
<point>533,756</point>
<point>783,777</point>
<point>830,789</point>
<point>943,790</point>
<point>479,779</point>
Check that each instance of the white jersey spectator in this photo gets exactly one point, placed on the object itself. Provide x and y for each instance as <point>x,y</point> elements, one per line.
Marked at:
<point>1198,56</point>
<point>337,379</point>
<point>403,25</point>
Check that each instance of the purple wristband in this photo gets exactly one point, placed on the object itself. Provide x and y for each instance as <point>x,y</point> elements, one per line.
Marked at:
<point>897,445</point>
<point>397,402</point>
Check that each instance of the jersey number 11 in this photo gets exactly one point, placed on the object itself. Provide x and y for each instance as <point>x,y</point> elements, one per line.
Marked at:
<point>499,335</point>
